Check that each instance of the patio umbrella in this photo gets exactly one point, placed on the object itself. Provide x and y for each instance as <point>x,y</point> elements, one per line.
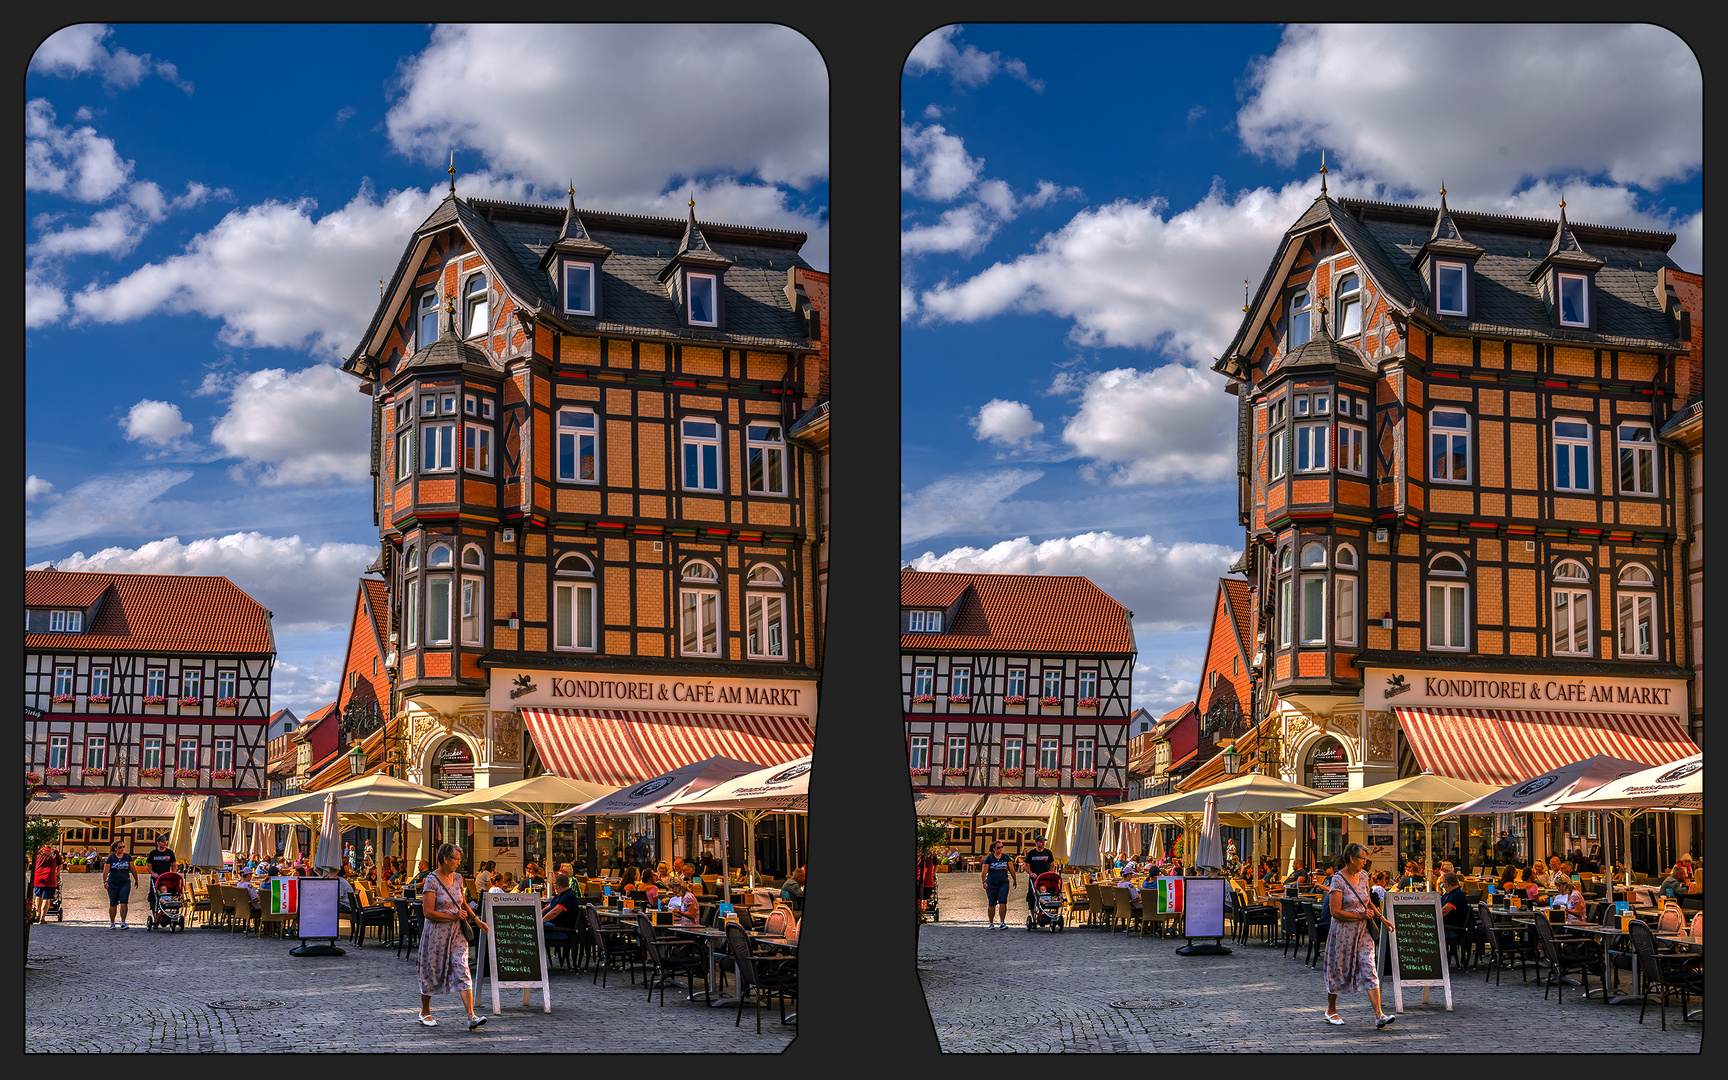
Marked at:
<point>180,834</point>
<point>1207,851</point>
<point>538,799</point>
<point>375,800</point>
<point>783,788</point>
<point>1083,838</point>
<point>292,850</point>
<point>329,853</point>
<point>650,796</point>
<point>1425,799</point>
<point>1676,786</point>
<point>206,845</point>
<point>1056,831</point>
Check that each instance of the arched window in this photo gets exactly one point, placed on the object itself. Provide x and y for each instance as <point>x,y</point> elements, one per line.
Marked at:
<point>1313,555</point>
<point>1636,612</point>
<point>473,558</point>
<point>1345,557</point>
<point>575,605</point>
<point>473,596</point>
<point>699,610</point>
<point>427,331</point>
<point>474,306</point>
<point>411,561</point>
<point>1284,558</point>
<point>1300,316</point>
<point>1349,306</point>
<point>575,563</point>
<point>438,556</point>
<point>765,615</point>
<point>1448,603</point>
<point>1570,620</point>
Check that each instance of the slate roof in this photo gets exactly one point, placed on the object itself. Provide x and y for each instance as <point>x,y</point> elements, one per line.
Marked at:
<point>1322,350</point>
<point>1035,613</point>
<point>153,613</point>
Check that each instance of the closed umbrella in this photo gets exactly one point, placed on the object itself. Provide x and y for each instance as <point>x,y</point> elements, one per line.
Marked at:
<point>292,850</point>
<point>1083,839</point>
<point>1130,840</point>
<point>329,851</point>
<point>1207,854</point>
<point>180,834</point>
<point>206,845</point>
<point>1056,831</point>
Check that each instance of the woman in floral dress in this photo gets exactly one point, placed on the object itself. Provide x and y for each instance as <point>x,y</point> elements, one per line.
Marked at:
<point>443,948</point>
<point>1350,946</point>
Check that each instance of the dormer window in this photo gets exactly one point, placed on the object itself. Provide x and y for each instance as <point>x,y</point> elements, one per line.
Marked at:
<point>1349,306</point>
<point>65,622</point>
<point>427,327</point>
<point>924,622</point>
<point>1574,303</point>
<point>579,288</point>
<point>1301,317</point>
<point>703,309</point>
<point>1449,288</point>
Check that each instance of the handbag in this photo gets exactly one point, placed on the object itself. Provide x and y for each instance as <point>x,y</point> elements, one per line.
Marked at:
<point>470,932</point>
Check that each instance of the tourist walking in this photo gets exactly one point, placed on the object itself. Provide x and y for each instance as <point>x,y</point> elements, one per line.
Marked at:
<point>121,876</point>
<point>46,881</point>
<point>998,878</point>
<point>1349,944</point>
<point>443,948</point>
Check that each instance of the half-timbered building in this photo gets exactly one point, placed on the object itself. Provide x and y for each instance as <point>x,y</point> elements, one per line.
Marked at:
<point>599,545</point>
<point>1465,543</point>
<point>1015,685</point>
<point>143,687</point>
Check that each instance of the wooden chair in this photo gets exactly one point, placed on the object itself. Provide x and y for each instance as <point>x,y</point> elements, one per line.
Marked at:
<point>1125,912</point>
<point>1106,900</point>
<point>222,903</point>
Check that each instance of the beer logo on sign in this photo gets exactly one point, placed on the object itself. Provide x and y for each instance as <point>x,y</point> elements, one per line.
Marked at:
<point>524,685</point>
<point>651,787</point>
<point>1536,785</point>
<point>1680,772</point>
<point>790,774</point>
<point>1396,685</point>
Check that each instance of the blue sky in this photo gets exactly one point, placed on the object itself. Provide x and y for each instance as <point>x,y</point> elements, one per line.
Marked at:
<point>1081,204</point>
<point>209,209</point>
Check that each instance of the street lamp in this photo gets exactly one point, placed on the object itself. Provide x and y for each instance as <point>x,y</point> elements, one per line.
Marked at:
<point>1232,760</point>
<point>356,759</point>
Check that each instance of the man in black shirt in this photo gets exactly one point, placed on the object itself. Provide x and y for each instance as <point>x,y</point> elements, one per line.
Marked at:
<point>160,862</point>
<point>1039,860</point>
<point>562,913</point>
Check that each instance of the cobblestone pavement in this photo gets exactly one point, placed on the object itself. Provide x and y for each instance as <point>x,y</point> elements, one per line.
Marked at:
<point>1019,992</point>
<point>88,988</point>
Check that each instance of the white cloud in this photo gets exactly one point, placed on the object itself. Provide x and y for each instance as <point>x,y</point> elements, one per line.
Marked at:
<point>1482,107</point>
<point>953,503</point>
<point>1171,423</point>
<point>156,423</point>
<point>961,230</point>
<point>37,488</point>
<point>623,108</point>
<point>118,229</point>
<point>309,587</point>
<point>112,502</point>
<point>78,50</point>
<point>934,165</point>
<point>303,427</point>
<point>967,65</point>
<point>44,300</point>
<point>310,680</point>
<point>74,162</point>
<point>1167,586</point>
<point>1007,423</point>
<point>908,302</point>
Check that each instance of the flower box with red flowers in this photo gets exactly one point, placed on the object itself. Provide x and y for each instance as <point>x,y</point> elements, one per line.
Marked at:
<point>98,699</point>
<point>1085,774</point>
<point>923,699</point>
<point>150,774</point>
<point>63,699</point>
<point>920,772</point>
<point>190,702</point>
<point>1047,701</point>
<point>186,774</point>
<point>1049,774</point>
<point>95,774</point>
<point>1014,699</point>
<point>222,774</point>
<point>1087,703</point>
<point>227,703</point>
<point>54,772</point>
<point>155,699</point>
<point>963,699</point>
<point>1013,774</point>
<point>32,778</point>
<point>954,772</point>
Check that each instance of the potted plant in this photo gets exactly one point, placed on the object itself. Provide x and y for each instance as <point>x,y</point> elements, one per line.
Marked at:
<point>1087,703</point>
<point>1013,774</point>
<point>56,773</point>
<point>1049,774</point>
<point>98,699</point>
<point>916,773</point>
<point>32,778</point>
<point>190,702</point>
<point>1051,702</point>
<point>1085,774</point>
<point>963,699</point>
<point>1015,699</point>
<point>155,699</point>
<point>227,703</point>
<point>98,775</point>
<point>222,774</point>
<point>923,699</point>
<point>954,772</point>
<point>186,774</point>
<point>150,774</point>
<point>64,699</point>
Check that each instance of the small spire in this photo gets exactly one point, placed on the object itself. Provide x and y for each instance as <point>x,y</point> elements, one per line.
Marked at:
<point>452,172</point>
<point>692,202</point>
<point>380,288</point>
<point>1320,307</point>
<point>450,315</point>
<point>1443,196</point>
<point>1244,296</point>
<point>1322,173</point>
<point>572,193</point>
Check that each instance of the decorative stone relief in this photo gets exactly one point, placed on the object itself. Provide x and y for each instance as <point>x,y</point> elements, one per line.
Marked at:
<point>1380,736</point>
<point>507,736</point>
<point>473,724</point>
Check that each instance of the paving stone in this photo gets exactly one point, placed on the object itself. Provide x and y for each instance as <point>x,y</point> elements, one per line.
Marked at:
<point>144,991</point>
<point>1011,991</point>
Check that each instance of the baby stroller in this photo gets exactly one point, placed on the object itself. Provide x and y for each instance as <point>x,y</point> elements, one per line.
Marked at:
<point>167,903</point>
<point>1052,905</point>
<point>54,911</point>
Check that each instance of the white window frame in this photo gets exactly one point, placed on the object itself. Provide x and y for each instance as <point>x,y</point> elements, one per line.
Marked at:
<point>473,558</point>
<point>222,754</point>
<point>713,287</point>
<point>440,555</point>
<point>765,442</point>
<point>1463,274</point>
<point>447,404</point>
<point>470,405</point>
<point>227,683</point>
<point>1044,680</point>
<point>477,448</point>
<point>476,306</point>
<point>95,752</point>
<point>919,755</point>
<point>1278,452</point>
<point>923,681</point>
<point>405,454</point>
<point>426,319</point>
<point>1345,557</point>
<point>74,622</point>
<point>1312,444</point>
<point>1313,622</point>
<point>1085,754</point>
<point>429,405</point>
<point>1299,407</point>
<point>1345,612</point>
<point>578,429</point>
<point>765,625</point>
<point>1313,555</point>
<point>1013,752</point>
<point>1301,308</point>
<point>65,679</point>
<point>1452,435</point>
<point>56,622</point>
<point>1568,448</point>
<point>411,614</point>
<point>472,612</point>
<point>1322,404</point>
<point>1349,303</point>
<point>150,756</point>
<point>1629,449</point>
<point>1352,449</point>
<point>568,627</point>
<point>192,683</point>
<point>700,455</point>
<point>1560,284</point>
<point>101,681</point>
<point>188,744</point>
<point>956,756</point>
<point>699,611</point>
<point>156,682</point>
<point>1635,603</point>
<point>582,304</point>
<point>1049,753</point>
<point>1448,619</point>
<point>1087,686</point>
<point>1286,614</point>
<point>1016,682</point>
<point>915,622</point>
<point>436,609</point>
<point>59,751</point>
<point>438,447</point>
<point>959,682</point>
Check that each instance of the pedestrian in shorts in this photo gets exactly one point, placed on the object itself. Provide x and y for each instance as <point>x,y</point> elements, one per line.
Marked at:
<point>121,876</point>
<point>998,878</point>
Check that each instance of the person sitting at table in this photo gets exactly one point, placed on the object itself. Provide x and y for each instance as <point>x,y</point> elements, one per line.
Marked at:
<point>1571,901</point>
<point>683,904</point>
<point>1454,911</point>
<point>1679,879</point>
<point>650,888</point>
<point>629,880</point>
<point>1125,882</point>
<point>793,887</point>
<point>344,890</point>
<point>532,879</point>
<point>251,888</point>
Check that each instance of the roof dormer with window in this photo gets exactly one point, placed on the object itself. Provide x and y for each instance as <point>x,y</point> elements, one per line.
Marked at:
<point>693,277</point>
<point>573,263</point>
<point>1566,278</point>
<point>1447,263</point>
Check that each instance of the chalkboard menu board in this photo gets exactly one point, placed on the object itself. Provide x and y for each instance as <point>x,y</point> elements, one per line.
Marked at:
<point>1418,947</point>
<point>516,947</point>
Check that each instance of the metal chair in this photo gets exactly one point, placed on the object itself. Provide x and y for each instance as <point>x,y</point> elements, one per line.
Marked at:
<point>676,960</point>
<point>1563,956</point>
<point>610,946</point>
<point>777,975</point>
<point>1504,945</point>
<point>1318,929</point>
<point>1670,971</point>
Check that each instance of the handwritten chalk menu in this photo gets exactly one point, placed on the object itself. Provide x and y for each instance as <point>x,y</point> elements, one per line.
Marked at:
<point>1203,901</point>
<point>516,947</point>
<point>317,901</point>
<point>1418,947</point>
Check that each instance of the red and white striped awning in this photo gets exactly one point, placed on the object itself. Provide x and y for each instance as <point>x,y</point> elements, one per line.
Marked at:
<point>1504,746</point>
<point>619,746</point>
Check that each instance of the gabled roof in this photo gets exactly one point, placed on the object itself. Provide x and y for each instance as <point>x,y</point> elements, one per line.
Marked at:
<point>1445,239</point>
<point>1044,613</point>
<point>155,613</point>
<point>304,731</point>
<point>63,588</point>
<point>1178,712</point>
<point>1237,598</point>
<point>378,606</point>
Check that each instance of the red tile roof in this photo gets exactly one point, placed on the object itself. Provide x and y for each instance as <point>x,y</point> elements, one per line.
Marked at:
<point>1043,613</point>
<point>156,613</point>
<point>1241,608</point>
<point>1178,712</point>
<point>378,603</point>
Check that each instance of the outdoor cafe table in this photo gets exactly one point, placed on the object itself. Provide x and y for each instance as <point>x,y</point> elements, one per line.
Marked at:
<point>713,938</point>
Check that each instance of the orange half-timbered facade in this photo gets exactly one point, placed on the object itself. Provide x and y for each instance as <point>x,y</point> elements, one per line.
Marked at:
<point>140,688</point>
<point>591,511</point>
<point>1460,520</point>
<point>1015,685</point>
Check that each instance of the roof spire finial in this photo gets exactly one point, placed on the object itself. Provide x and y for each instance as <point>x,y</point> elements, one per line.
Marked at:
<point>1244,295</point>
<point>1323,173</point>
<point>692,204</point>
<point>1320,306</point>
<point>1442,195</point>
<point>380,288</point>
<point>572,193</point>
<point>452,172</point>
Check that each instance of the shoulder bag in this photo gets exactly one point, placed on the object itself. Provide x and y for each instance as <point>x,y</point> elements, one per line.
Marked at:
<point>470,932</point>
